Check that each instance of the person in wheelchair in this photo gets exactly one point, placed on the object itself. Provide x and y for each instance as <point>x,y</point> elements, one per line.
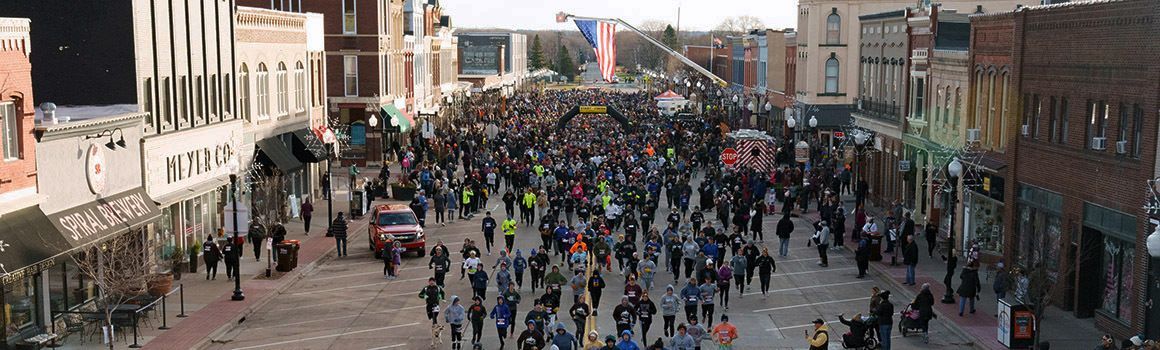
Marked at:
<point>858,334</point>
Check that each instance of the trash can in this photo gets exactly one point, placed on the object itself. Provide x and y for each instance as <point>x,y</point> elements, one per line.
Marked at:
<point>295,245</point>
<point>875,246</point>
<point>284,251</point>
<point>357,209</point>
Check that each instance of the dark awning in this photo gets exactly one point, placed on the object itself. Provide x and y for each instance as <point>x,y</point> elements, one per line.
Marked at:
<point>273,152</point>
<point>27,238</point>
<point>104,217</point>
<point>308,147</point>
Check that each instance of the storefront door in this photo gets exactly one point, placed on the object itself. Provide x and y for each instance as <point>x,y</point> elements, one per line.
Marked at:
<point>1090,273</point>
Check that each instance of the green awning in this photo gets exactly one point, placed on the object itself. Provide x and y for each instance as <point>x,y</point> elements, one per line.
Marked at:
<point>396,118</point>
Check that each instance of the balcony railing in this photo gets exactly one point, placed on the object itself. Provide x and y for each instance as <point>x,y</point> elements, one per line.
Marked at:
<point>890,111</point>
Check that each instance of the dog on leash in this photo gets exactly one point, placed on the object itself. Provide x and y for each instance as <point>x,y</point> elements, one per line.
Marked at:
<point>436,335</point>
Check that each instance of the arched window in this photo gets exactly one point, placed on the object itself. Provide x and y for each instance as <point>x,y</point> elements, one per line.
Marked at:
<point>832,75</point>
<point>283,89</point>
<point>833,28</point>
<point>263,99</point>
<point>300,91</point>
<point>243,92</point>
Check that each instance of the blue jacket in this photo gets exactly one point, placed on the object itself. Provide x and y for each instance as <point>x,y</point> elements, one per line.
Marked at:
<point>690,294</point>
<point>501,314</point>
<point>627,345</point>
<point>519,264</point>
<point>710,250</point>
<point>479,280</point>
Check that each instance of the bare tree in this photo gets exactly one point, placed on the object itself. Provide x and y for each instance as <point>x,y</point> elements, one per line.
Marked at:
<point>1043,279</point>
<point>738,25</point>
<point>120,268</point>
<point>268,197</point>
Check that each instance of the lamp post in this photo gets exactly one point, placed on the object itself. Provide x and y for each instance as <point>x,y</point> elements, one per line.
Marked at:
<point>233,168</point>
<point>329,184</point>
<point>733,111</point>
<point>860,139</point>
<point>954,170</point>
<point>768,116</point>
<point>373,122</point>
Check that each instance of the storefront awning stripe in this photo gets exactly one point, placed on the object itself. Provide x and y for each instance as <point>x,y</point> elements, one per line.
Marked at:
<point>105,217</point>
<point>404,123</point>
<point>308,147</point>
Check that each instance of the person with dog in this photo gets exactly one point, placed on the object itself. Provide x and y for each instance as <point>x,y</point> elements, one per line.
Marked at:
<point>433,295</point>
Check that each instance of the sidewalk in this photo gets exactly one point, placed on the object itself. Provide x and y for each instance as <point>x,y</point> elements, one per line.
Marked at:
<point>1063,330</point>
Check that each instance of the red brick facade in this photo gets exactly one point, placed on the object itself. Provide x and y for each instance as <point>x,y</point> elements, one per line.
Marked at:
<point>16,88</point>
<point>1086,53</point>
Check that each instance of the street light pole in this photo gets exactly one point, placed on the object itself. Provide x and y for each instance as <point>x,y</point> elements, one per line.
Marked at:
<point>238,294</point>
<point>329,185</point>
<point>954,170</point>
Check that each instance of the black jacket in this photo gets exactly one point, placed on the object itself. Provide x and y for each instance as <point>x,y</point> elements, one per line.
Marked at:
<point>910,254</point>
<point>784,227</point>
<point>885,313</point>
<point>338,227</point>
<point>970,286</point>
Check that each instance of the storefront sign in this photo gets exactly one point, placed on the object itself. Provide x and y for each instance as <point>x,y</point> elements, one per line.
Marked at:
<point>18,275</point>
<point>904,165</point>
<point>106,216</point>
<point>178,161</point>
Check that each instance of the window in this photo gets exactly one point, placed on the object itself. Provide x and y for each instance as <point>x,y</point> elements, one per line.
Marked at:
<point>300,87</point>
<point>1063,120</point>
<point>1097,120</point>
<point>350,75</point>
<point>263,100</point>
<point>832,75</point>
<point>1118,268</point>
<point>1137,129</point>
<point>958,107</point>
<point>919,91</point>
<point>10,130</point>
<point>244,93</point>
<point>349,21</point>
<point>183,99</point>
<point>199,98</point>
<point>1036,108</point>
<point>1123,124</point>
<point>166,97</point>
<point>227,99</point>
<point>833,28</point>
<point>214,103</point>
<point>283,96</point>
<point>946,113</point>
<point>148,102</point>
<point>1052,121</point>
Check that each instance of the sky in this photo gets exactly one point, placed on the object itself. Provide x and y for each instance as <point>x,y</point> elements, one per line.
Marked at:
<point>696,15</point>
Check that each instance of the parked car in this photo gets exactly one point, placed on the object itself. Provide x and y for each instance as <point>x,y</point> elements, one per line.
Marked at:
<point>395,222</point>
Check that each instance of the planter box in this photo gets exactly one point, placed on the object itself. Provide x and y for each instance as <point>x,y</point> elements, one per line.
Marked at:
<point>403,193</point>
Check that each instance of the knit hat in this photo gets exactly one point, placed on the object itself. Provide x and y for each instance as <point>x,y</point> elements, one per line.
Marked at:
<point>669,288</point>
<point>519,252</point>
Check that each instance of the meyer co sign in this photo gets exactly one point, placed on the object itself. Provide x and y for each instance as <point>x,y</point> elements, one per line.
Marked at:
<point>179,160</point>
<point>91,221</point>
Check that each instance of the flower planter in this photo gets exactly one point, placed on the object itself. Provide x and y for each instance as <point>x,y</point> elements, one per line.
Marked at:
<point>161,284</point>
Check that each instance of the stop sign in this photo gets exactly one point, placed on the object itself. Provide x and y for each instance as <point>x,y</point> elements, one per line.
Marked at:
<point>729,156</point>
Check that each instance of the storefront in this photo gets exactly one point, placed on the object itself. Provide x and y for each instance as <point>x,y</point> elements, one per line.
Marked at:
<point>983,214</point>
<point>91,186</point>
<point>187,173</point>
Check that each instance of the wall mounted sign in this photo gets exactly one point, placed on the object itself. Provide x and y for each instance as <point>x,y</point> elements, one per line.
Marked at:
<point>110,215</point>
<point>178,161</point>
<point>96,169</point>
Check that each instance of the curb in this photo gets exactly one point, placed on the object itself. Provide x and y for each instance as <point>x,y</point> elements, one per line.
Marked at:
<point>237,319</point>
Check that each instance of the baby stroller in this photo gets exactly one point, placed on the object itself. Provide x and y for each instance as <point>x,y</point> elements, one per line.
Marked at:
<point>910,322</point>
<point>869,340</point>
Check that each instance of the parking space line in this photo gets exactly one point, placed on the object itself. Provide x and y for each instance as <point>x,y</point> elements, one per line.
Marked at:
<point>284,342</point>
<point>389,346</point>
<point>811,287</point>
<point>811,304</point>
<point>359,286</point>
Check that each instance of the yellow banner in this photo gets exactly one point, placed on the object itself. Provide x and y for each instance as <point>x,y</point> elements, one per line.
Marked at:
<point>593,109</point>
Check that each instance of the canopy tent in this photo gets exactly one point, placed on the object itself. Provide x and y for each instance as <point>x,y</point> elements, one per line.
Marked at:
<point>396,118</point>
<point>669,95</point>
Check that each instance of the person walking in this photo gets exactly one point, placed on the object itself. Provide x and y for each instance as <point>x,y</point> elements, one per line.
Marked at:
<point>969,286</point>
<point>820,339</point>
<point>625,315</point>
<point>579,312</point>
<point>862,255</point>
<point>931,233</point>
<point>725,333</point>
<point>739,264</point>
<point>563,340</point>
<point>724,278</point>
<point>502,317</point>
<point>529,339</point>
<point>910,259</point>
<point>708,292</point>
<point>307,212</point>
<point>885,314</point>
<point>645,309</point>
<point>670,306</point>
<point>924,304</point>
<point>338,231</point>
<point>784,228</point>
<point>211,254</point>
<point>595,289</point>
<point>455,316</point>
<point>765,269</point>
<point>822,239</point>
<point>479,281</point>
<point>439,262</point>
<point>519,264</point>
<point>750,252</point>
<point>231,253</point>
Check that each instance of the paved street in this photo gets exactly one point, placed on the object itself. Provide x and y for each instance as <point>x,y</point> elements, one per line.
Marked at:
<point>347,304</point>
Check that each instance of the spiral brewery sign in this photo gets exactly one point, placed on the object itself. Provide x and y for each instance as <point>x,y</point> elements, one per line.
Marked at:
<point>109,215</point>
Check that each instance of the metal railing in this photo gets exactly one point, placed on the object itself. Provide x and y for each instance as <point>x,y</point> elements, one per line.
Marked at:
<point>100,316</point>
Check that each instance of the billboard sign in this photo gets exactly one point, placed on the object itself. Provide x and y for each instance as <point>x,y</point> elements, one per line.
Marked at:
<point>481,53</point>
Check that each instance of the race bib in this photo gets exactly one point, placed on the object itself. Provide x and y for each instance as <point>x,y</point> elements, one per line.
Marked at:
<point>500,322</point>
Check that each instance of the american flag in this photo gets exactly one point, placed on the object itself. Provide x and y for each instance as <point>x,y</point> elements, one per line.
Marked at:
<point>602,36</point>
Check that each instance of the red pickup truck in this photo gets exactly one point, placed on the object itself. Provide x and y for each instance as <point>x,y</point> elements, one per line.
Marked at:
<point>395,222</point>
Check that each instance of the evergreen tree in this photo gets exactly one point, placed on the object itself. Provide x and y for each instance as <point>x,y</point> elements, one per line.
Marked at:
<point>537,59</point>
<point>669,38</point>
<point>564,64</point>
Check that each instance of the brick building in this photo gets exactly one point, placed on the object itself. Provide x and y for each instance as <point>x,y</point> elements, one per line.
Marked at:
<point>881,102</point>
<point>18,169</point>
<point>1086,147</point>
